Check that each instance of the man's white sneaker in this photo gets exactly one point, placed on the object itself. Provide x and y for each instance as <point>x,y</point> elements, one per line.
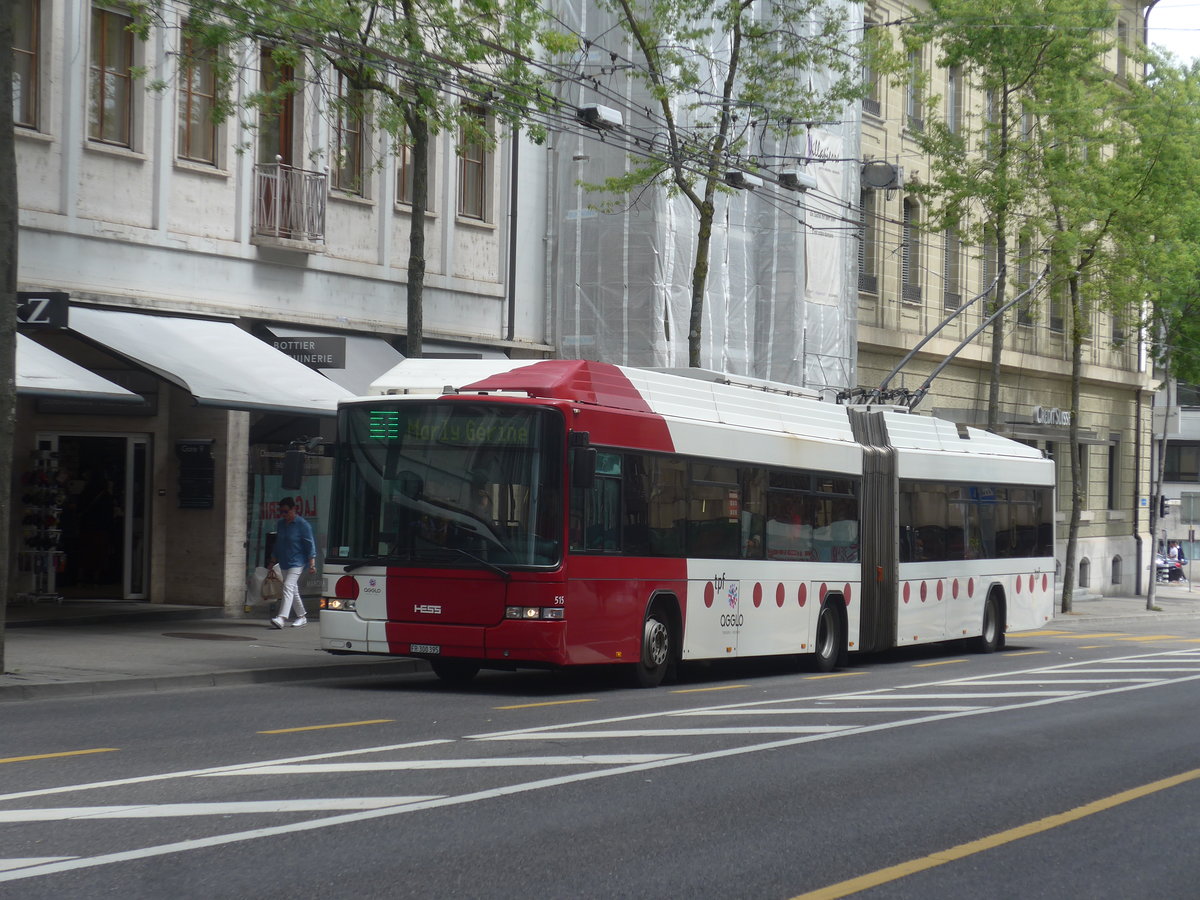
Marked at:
<point>277,622</point>
<point>300,622</point>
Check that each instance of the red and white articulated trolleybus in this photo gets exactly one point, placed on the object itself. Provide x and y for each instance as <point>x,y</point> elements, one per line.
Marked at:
<point>506,514</point>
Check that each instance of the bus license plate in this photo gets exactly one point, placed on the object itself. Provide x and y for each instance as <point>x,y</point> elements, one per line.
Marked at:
<point>424,648</point>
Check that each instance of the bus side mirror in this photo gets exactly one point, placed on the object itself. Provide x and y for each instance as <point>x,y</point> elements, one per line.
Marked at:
<point>293,470</point>
<point>583,467</point>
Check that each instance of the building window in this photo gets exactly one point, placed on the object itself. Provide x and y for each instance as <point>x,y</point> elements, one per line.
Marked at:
<point>26,61</point>
<point>1083,461</point>
<point>1028,123</point>
<point>954,99</point>
<point>952,269</point>
<point>349,169</point>
<point>1057,298</point>
<point>473,160</point>
<point>1122,51</point>
<point>404,169</point>
<point>910,255</point>
<point>916,121</point>
<point>1116,570</point>
<point>1114,475</point>
<point>197,139</point>
<point>868,279</point>
<point>987,263</point>
<point>1182,462</point>
<point>110,96</point>
<point>870,79</point>
<point>991,114</point>
<point>1024,279</point>
<point>405,172</point>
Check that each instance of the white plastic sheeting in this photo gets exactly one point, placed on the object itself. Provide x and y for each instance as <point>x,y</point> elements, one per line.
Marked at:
<point>781,301</point>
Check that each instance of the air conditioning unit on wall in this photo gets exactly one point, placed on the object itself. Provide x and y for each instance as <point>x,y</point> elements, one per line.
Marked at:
<point>881,175</point>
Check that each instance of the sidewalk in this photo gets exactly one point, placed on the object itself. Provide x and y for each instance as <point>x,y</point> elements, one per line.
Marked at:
<point>90,648</point>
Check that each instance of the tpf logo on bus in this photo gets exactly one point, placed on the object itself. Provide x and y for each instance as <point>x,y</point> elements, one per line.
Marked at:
<point>731,596</point>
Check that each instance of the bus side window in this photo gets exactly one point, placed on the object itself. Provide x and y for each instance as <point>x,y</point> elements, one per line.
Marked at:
<point>602,529</point>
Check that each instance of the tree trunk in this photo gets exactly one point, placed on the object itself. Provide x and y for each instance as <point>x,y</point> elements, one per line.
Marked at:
<point>419,131</point>
<point>8,310</point>
<point>1077,328</point>
<point>993,410</point>
<point>700,280</point>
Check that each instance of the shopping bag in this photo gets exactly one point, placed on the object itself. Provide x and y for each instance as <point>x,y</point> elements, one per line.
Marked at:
<point>272,586</point>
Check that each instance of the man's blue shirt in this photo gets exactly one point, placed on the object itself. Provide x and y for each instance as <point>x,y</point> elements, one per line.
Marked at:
<point>294,544</point>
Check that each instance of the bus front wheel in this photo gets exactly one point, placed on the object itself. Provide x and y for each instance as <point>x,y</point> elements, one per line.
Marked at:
<point>828,646</point>
<point>454,671</point>
<point>656,650</point>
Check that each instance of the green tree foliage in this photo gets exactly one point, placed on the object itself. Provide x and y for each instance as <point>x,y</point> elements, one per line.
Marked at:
<point>1156,274</point>
<point>717,73</point>
<point>413,69</point>
<point>983,166</point>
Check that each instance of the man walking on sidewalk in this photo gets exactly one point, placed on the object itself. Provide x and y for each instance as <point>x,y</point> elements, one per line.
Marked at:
<point>294,548</point>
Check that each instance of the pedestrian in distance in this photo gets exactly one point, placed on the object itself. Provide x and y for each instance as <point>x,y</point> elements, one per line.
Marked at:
<point>295,548</point>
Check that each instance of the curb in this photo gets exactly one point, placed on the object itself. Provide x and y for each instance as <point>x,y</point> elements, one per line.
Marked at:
<point>99,618</point>
<point>155,683</point>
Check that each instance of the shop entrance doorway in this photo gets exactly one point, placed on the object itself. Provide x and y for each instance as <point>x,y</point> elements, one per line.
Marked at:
<point>105,479</point>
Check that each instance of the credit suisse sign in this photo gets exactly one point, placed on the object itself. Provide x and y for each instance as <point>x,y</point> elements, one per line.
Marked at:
<point>1046,415</point>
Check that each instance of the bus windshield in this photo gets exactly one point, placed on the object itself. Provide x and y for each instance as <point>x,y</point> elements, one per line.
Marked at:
<point>448,484</point>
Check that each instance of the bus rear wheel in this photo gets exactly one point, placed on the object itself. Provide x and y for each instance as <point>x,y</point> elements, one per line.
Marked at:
<point>828,645</point>
<point>656,650</point>
<point>992,637</point>
<point>454,671</point>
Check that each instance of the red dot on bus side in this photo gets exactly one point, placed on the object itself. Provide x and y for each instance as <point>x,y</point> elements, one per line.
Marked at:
<point>757,595</point>
<point>907,591</point>
<point>970,587</point>
<point>1018,584</point>
<point>941,588</point>
<point>824,591</point>
<point>1045,582</point>
<point>924,591</point>
<point>846,593</point>
<point>954,589</point>
<point>709,593</point>
<point>779,594</point>
<point>802,594</point>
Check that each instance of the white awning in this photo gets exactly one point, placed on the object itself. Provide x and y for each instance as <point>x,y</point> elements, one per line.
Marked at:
<point>217,362</point>
<point>43,373</point>
<point>365,359</point>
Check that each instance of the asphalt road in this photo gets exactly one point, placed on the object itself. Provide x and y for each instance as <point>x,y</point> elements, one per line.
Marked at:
<point>1066,766</point>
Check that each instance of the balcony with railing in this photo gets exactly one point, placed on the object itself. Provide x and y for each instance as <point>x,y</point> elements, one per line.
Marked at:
<point>289,206</point>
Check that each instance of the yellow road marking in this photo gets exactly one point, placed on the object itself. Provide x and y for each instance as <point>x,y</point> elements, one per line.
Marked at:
<point>320,727</point>
<point>547,703</point>
<point>1093,647</point>
<point>1046,633</point>
<point>962,851</point>
<point>1026,653</point>
<point>833,675</point>
<point>1102,634</point>
<point>940,662</point>
<point>1152,637</point>
<point>724,687</point>
<point>58,755</point>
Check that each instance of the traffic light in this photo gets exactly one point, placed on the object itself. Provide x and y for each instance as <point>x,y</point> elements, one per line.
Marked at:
<point>1162,507</point>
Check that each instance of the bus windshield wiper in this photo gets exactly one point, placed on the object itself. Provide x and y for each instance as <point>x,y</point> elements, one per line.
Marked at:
<point>502,572</point>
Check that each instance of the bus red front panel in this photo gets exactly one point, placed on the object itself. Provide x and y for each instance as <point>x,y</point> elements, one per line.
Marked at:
<point>445,597</point>
<point>607,600</point>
